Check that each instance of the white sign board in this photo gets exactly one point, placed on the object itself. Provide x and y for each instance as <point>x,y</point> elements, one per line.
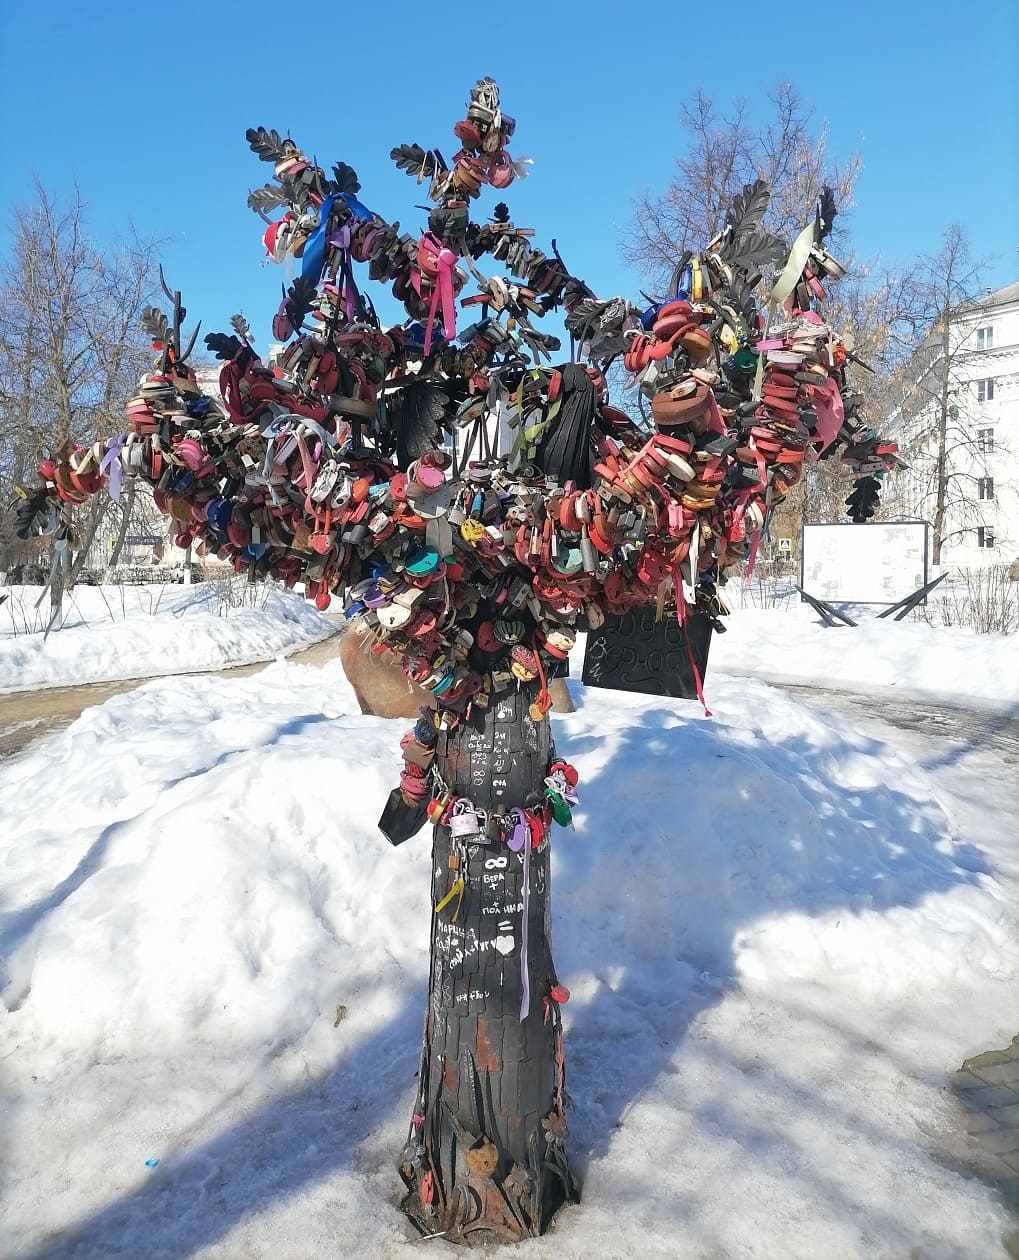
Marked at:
<point>864,564</point>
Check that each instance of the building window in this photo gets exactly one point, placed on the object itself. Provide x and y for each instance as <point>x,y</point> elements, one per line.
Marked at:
<point>985,390</point>
<point>985,441</point>
<point>985,338</point>
<point>985,536</point>
<point>985,487</point>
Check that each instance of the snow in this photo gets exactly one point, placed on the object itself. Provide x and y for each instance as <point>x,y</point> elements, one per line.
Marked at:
<point>947,663</point>
<point>114,632</point>
<point>783,929</point>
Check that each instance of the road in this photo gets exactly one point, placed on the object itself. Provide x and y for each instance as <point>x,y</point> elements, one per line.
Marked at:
<point>991,732</point>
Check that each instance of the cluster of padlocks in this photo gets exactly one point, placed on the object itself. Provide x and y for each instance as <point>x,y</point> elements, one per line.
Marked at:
<point>472,504</point>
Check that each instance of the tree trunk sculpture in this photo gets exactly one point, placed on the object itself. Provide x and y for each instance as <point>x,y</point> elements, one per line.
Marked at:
<point>331,466</point>
<point>487,1149</point>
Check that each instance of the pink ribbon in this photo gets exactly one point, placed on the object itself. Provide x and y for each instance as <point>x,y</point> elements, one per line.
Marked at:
<point>230,391</point>
<point>830,412</point>
<point>444,262</point>
<point>752,558</point>
<point>716,424</point>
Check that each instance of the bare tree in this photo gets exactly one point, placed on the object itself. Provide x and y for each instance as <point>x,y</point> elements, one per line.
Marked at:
<point>71,346</point>
<point>936,392</point>
<point>724,151</point>
<point>864,306</point>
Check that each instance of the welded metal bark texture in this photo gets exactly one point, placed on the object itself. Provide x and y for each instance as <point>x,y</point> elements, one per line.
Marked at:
<point>487,1156</point>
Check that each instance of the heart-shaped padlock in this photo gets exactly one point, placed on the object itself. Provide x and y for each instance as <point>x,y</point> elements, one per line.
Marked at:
<point>520,832</point>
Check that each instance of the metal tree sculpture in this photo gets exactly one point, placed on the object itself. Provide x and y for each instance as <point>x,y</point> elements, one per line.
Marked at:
<point>472,503</point>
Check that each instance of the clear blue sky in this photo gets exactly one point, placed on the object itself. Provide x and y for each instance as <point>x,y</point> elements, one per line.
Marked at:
<point>147,108</point>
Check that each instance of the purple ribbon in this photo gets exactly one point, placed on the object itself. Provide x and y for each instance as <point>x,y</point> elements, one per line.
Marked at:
<point>110,465</point>
<point>340,239</point>
<point>525,979</point>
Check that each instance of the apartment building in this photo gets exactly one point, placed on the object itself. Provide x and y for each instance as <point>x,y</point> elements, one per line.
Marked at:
<point>981,524</point>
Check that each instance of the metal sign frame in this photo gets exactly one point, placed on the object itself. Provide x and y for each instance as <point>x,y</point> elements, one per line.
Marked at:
<point>871,525</point>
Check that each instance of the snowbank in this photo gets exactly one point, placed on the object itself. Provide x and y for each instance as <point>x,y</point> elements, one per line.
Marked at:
<point>116,632</point>
<point>783,942</point>
<point>947,663</point>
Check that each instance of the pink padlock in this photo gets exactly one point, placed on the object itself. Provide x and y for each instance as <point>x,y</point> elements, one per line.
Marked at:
<point>427,476</point>
<point>192,454</point>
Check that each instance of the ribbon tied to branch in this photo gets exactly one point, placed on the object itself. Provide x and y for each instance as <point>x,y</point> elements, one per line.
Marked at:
<point>437,263</point>
<point>111,466</point>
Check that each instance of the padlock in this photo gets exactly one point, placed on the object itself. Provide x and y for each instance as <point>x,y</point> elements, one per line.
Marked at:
<point>589,555</point>
<point>463,822</point>
<point>520,832</point>
<point>516,593</point>
<point>424,730</point>
<point>418,755</point>
<point>438,807</point>
<point>355,534</point>
<point>472,530</point>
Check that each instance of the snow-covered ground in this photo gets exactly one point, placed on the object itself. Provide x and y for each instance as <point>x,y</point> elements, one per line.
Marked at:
<point>113,632</point>
<point>792,930</point>
<point>909,658</point>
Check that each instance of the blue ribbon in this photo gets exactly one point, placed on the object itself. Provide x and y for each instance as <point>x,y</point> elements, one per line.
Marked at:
<point>315,246</point>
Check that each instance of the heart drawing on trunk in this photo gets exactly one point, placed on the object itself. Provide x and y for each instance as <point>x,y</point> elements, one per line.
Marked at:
<point>504,944</point>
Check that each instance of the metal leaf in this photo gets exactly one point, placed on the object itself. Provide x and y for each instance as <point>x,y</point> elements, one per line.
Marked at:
<point>223,346</point>
<point>267,144</point>
<point>241,326</point>
<point>750,251</point>
<point>748,207</point>
<point>345,178</point>
<point>268,197</point>
<point>416,161</point>
<point>155,323</point>
<point>300,297</point>
<point>826,212</point>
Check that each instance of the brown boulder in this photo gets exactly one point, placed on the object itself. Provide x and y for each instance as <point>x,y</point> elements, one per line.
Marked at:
<point>382,689</point>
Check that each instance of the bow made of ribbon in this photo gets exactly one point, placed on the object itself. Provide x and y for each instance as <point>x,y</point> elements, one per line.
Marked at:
<point>439,263</point>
